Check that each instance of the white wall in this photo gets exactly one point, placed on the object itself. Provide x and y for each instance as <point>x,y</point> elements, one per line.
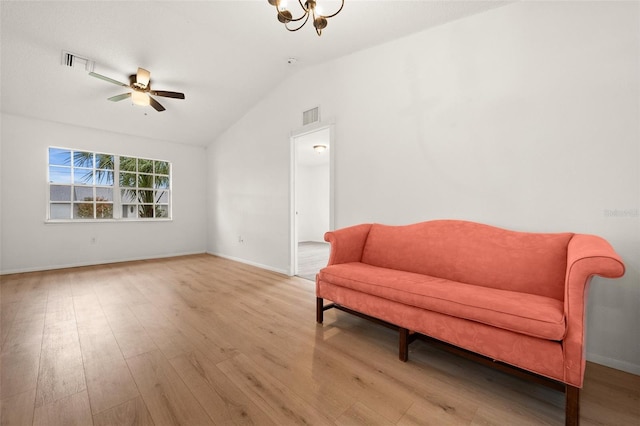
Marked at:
<point>524,117</point>
<point>28,243</point>
<point>312,198</point>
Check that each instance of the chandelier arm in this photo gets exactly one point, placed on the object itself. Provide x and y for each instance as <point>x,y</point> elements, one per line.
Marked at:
<point>304,15</point>
<point>301,25</point>
<point>334,14</point>
<point>292,19</point>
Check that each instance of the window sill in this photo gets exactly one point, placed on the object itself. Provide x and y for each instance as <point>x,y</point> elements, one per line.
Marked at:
<point>54,221</point>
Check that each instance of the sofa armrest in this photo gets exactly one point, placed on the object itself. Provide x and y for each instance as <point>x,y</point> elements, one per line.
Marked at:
<point>347,244</point>
<point>587,255</point>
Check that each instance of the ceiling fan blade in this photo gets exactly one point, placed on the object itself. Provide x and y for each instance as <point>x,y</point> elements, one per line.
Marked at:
<point>155,104</point>
<point>175,95</point>
<point>119,97</point>
<point>142,77</point>
<point>105,78</point>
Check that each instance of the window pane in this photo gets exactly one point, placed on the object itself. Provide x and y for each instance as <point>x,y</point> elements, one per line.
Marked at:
<point>161,182</point>
<point>128,180</point>
<point>162,211</point>
<point>145,197</point>
<point>161,167</point>
<point>82,186</point>
<point>60,211</point>
<point>59,174</point>
<point>59,193</point>
<point>128,164</point>
<point>145,166</point>
<point>162,197</point>
<point>104,211</point>
<point>83,210</point>
<point>145,181</point>
<point>104,194</point>
<point>128,196</point>
<point>145,211</point>
<point>61,157</point>
<point>83,176</point>
<point>81,193</point>
<point>104,177</point>
<point>129,211</point>
<point>83,159</point>
<point>104,161</point>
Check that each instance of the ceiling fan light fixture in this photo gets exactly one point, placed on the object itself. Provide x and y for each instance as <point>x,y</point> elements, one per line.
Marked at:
<point>140,85</point>
<point>142,78</point>
<point>140,98</point>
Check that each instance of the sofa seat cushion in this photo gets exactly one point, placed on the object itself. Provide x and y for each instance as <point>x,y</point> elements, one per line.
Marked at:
<point>525,313</point>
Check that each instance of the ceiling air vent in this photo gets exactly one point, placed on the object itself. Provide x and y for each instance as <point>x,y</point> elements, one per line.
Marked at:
<point>72,60</point>
<point>311,116</point>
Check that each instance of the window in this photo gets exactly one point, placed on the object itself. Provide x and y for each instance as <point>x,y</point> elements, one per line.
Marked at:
<point>89,185</point>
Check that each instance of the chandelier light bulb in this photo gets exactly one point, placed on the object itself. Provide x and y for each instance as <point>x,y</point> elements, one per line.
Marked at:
<point>309,10</point>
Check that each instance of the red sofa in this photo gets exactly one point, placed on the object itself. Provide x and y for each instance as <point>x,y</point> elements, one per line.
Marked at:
<point>514,297</point>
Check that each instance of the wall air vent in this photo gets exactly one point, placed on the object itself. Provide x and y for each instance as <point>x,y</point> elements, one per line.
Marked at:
<point>72,60</point>
<point>311,116</point>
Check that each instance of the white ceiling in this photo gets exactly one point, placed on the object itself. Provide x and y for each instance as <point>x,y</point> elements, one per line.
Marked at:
<point>224,55</point>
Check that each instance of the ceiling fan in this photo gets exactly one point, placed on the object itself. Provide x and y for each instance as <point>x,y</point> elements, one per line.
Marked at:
<point>141,93</point>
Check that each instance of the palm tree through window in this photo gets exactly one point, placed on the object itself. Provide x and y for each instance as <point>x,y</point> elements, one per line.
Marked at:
<point>88,185</point>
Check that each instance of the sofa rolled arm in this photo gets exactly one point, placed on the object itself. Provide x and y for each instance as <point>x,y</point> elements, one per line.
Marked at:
<point>347,244</point>
<point>587,255</point>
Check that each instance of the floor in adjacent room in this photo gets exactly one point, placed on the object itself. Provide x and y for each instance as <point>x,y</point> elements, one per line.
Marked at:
<point>312,256</point>
<point>199,340</point>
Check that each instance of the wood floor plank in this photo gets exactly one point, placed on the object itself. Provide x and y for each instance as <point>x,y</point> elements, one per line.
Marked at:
<point>17,410</point>
<point>223,401</point>
<point>61,371</point>
<point>19,371</point>
<point>8,312</point>
<point>87,308</point>
<point>59,309</point>
<point>359,414</point>
<point>97,340</point>
<point>130,413</point>
<point>24,335</point>
<point>279,403</point>
<point>109,383</point>
<point>168,399</point>
<point>72,410</point>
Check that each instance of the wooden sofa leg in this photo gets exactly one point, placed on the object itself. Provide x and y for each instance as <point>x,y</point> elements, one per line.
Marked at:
<point>404,344</point>
<point>572,408</point>
<point>319,310</point>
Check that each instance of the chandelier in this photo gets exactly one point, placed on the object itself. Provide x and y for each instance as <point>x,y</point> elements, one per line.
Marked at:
<point>308,10</point>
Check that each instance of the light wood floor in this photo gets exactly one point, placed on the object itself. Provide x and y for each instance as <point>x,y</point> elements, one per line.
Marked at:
<point>201,340</point>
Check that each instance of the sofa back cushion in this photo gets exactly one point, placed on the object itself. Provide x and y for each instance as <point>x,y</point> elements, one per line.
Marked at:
<point>473,253</point>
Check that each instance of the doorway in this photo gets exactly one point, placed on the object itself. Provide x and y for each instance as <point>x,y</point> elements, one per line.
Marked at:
<point>312,200</point>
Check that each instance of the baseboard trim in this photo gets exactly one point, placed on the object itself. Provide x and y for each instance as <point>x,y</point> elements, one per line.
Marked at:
<point>614,363</point>
<point>248,262</point>
<point>93,263</point>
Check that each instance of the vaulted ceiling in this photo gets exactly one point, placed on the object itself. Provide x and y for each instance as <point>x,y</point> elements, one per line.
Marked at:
<point>224,55</point>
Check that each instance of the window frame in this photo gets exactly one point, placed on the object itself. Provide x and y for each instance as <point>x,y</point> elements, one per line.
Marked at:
<point>117,202</point>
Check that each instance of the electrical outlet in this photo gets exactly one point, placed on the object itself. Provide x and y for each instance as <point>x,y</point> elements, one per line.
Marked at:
<point>240,240</point>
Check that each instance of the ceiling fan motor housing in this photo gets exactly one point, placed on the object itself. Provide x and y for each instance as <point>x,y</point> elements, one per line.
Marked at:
<point>133,83</point>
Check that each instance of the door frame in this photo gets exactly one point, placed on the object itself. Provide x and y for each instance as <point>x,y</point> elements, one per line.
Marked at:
<point>293,222</point>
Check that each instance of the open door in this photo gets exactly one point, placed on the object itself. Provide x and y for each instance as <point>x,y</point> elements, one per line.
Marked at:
<point>312,200</point>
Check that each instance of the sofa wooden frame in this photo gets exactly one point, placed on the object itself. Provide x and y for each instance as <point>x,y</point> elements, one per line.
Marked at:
<point>406,337</point>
